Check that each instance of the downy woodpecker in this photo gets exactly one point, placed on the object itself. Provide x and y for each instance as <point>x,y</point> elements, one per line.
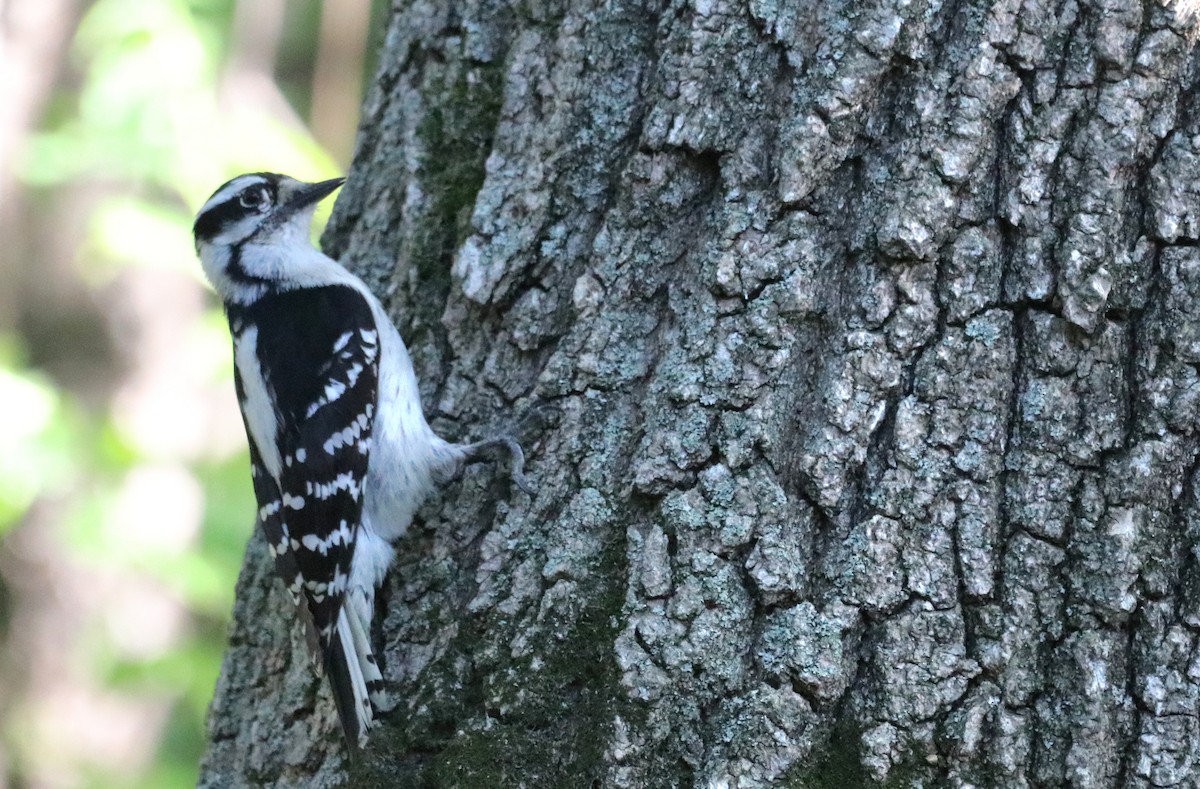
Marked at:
<point>340,453</point>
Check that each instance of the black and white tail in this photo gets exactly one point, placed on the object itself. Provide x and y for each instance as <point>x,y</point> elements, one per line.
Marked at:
<point>354,676</point>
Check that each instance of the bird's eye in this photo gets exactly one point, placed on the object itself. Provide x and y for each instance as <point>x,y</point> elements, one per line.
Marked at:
<point>255,197</point>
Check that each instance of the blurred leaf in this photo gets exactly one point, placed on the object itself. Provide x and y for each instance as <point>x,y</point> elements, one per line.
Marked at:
<point>35,454</point>
<point>144,234</point>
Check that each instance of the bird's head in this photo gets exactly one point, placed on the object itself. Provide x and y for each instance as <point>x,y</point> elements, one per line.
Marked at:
<point>253,223</point>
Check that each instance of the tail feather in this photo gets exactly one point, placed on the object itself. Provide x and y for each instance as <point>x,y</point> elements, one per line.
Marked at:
<point>372,676</point>
<point>345,668</point>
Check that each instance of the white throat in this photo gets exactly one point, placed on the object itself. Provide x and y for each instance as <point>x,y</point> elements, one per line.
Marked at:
<point>284,259</point>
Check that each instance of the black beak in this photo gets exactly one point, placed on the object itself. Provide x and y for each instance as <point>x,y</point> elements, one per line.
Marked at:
<point>308,194</point>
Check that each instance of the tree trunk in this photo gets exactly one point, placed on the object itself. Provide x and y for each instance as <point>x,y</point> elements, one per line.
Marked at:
<point>856,350</point>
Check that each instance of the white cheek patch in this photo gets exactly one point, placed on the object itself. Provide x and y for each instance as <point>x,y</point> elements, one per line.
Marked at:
<point>238,231</point>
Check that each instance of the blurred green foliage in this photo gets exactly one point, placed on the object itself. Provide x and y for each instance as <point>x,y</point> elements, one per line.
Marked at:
<point>38,447</point>
<point>151,117</point>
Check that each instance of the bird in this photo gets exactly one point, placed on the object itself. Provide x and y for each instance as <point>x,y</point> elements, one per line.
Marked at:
<point>341,453</point>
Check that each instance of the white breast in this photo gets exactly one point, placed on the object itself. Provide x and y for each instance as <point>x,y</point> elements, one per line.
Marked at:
<point>404,449</point>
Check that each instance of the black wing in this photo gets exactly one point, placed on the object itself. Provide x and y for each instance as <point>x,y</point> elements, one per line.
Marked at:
<point>318,355</point>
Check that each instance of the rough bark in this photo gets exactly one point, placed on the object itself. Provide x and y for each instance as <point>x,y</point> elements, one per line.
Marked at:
<point>855,347</point>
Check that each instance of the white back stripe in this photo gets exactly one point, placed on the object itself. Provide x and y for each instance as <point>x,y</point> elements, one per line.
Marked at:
<point>261,420</point>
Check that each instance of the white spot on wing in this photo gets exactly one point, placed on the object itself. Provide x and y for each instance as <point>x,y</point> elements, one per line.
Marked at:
<point>333,443</point>
<point>334,390</point>
<point>312,542</point>
<point>343,481</point>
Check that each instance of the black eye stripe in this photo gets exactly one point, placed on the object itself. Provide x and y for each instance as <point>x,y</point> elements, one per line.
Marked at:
<point>210,223</point>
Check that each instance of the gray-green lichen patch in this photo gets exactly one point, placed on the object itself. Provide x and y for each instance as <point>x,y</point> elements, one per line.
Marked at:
<point>455,136</point>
